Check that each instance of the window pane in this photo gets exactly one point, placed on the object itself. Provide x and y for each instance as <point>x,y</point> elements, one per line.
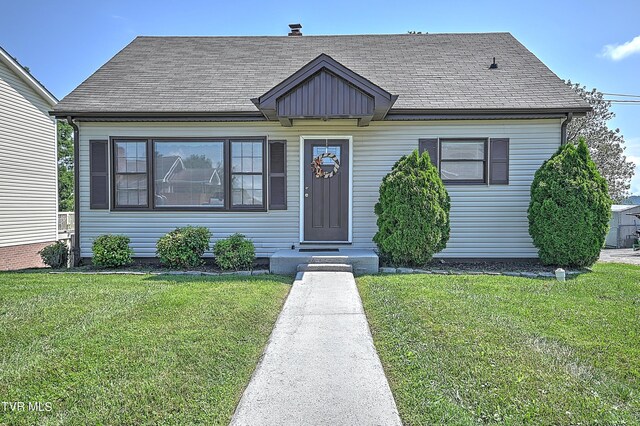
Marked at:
<point>131,190</point>
<point>458,150</point>
<point>189,174</point>
<point>462,170</point>
<point>317,150</point>
<point>246,156</point>
<point>131,157</point>
<point>246,190</point>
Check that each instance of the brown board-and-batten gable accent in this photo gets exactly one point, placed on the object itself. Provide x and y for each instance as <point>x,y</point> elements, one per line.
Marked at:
<point>498,157</point>
<point>99,174</point>
<point>325,89</point>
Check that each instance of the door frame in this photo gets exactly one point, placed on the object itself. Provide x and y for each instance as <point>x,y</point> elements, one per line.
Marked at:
<point>349,204</point>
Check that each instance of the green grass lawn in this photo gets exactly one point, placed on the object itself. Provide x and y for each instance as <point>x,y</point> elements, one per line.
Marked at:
<point>127,349</point>
<point>482,349</point>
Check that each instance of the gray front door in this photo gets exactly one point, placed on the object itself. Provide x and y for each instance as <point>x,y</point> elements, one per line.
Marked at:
<point>326,200</point>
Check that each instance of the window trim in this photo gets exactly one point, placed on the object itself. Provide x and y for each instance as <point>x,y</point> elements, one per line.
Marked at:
<point>228,207</point>
<point>485,162</point>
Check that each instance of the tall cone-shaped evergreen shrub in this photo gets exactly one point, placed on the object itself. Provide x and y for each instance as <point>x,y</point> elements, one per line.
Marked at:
<point>570,208</point>
<point>413,212</point>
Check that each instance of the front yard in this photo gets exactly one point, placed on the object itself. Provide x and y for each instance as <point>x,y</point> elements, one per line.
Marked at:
<point>127,349</point>
<point>468,349</point>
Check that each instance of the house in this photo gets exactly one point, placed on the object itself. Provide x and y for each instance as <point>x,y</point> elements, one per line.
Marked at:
<point>28,167</point>
<point>625,221</point>
<point>254,113</point>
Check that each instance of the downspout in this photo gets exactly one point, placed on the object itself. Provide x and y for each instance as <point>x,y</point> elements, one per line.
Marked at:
<point>563,128</point>
<point>76,191</point>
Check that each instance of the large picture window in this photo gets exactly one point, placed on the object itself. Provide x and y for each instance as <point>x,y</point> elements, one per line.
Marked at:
<point>463,160</point>
<point>189,174</point>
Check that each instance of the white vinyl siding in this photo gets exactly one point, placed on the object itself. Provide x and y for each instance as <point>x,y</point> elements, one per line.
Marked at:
<point>486,221</point>
<point>28,171</point>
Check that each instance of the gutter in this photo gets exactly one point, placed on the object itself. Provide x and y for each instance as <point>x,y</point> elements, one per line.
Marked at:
<point>76,191</point>
<point>563,128</point>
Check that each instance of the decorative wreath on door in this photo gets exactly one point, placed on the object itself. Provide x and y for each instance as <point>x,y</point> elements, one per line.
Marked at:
<point>316,165</point>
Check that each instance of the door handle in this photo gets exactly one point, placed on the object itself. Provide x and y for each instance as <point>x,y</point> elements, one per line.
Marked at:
<point>306,195</point>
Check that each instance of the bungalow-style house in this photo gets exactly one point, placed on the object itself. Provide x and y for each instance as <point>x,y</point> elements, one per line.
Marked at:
<point>286,139</point>
<point>28,167</point>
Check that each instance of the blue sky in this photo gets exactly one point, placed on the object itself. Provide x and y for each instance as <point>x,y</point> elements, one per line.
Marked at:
<point>63,43</point>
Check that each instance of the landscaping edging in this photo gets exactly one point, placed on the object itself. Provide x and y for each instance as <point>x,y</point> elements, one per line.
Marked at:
<point>526,274</point>
<point>192,273</point>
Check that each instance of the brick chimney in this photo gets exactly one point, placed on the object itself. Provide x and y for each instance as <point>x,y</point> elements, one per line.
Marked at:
<point>295,30</point>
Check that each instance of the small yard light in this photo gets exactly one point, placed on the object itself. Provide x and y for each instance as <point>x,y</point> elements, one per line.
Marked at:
<point>560,274</point>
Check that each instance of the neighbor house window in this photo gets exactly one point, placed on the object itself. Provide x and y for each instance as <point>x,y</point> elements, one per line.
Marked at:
<point>190,174</point>
<point>131,178</point>
<point>463,161</point>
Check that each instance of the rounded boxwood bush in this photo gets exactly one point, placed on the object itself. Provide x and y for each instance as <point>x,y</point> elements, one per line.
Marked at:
<point>570,208</point>
<point>111,251</point>
<point>413,212</point>
<point>55,255</point>
<point>235,252</point>
<point>183,247</point>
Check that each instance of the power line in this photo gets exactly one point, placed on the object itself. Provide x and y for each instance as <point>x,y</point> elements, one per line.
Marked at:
<point>622,101</point>
<point>621,94</point>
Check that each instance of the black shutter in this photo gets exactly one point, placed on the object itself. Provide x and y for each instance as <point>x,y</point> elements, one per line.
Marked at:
<point>278,175</point>
<point>99,174</point>
<point>499,161</point>
<point>431,146</point>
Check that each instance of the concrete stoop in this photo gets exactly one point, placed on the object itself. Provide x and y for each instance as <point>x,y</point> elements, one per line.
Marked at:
<point>288,262</point>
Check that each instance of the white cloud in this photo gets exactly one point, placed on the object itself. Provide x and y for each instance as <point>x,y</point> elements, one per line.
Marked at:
<point>621,51</point>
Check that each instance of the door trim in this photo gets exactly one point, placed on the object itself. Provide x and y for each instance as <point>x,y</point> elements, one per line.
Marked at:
<point>350,203</point>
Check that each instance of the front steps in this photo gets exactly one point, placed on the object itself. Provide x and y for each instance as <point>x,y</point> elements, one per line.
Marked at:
<point>325,267</point>
<point>358,261</point>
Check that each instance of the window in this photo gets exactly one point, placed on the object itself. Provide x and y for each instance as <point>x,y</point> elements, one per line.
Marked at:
<point>131,179</point>
<point>246,173</point>
<point>463,161</point>
<point>189,174</point>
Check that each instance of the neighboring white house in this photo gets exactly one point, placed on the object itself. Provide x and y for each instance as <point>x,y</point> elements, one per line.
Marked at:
<point>28,167</point>
<point>260,110</point>
<point>623,226</point>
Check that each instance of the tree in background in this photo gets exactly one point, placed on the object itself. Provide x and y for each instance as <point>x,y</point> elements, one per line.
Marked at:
<point>65,167</point>
<point>606,146</point>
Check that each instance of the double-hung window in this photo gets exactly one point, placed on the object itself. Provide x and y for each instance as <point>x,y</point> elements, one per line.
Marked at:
<point>247,180</point>
<point>131,179</point>
<point>463,160</point>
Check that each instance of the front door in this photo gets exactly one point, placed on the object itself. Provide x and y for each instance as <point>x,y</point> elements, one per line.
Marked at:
<point>326,190</point>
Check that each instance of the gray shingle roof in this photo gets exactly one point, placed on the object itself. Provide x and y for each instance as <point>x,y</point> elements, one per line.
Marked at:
<point>222,74</point>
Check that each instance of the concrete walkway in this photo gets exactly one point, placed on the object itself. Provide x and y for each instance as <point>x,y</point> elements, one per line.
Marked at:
<point>320,366</point>
<point>625,255</point>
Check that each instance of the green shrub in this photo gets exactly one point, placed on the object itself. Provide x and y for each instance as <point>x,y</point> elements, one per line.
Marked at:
<point>111,251</point>
<point>235,252</point>
<point>570,208</point>
<point>55,255</point>
<point>183,247</point>
<point>413,212</point>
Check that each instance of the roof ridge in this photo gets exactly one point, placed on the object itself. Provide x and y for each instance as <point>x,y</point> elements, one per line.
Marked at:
<point>326,35</point>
